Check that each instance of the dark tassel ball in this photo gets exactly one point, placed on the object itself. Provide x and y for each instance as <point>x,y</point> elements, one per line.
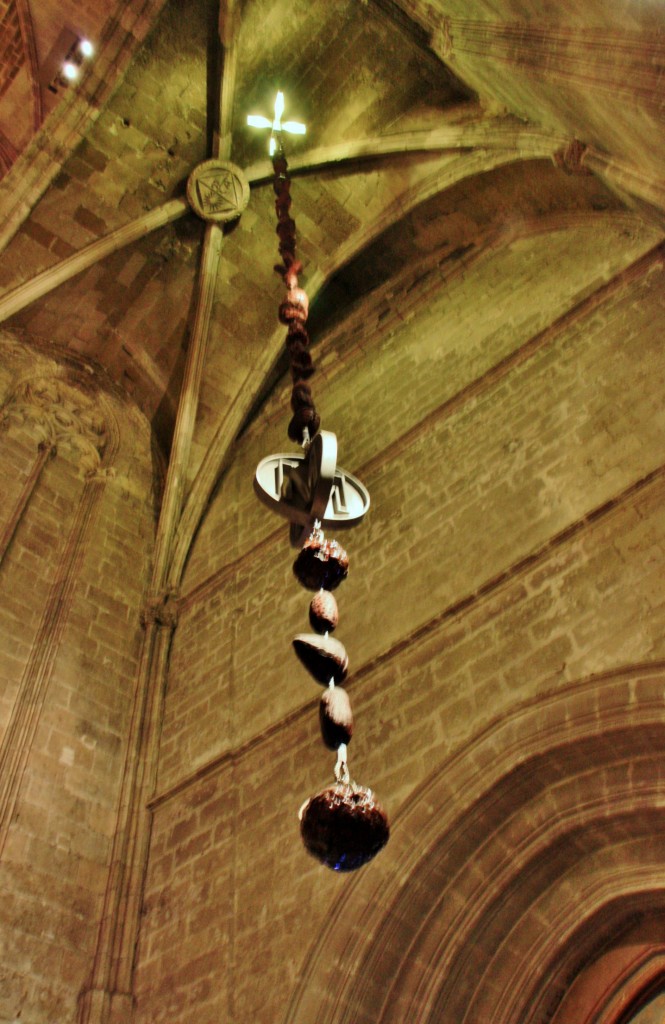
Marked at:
<point>321,564</point>
<point>344,826</point>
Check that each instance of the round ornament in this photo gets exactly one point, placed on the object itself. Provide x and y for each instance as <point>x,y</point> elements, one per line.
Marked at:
<point>217,191</point>
<point>344,826</point>
<point>323,656</point>
<point>323,612</point>
<point>335,717</point>
<point>321,564</point>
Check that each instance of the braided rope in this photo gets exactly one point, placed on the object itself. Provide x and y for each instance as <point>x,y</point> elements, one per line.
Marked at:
<point>294,310</point>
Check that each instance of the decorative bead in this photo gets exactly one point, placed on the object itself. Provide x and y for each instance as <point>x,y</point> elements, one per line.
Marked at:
<point>344,826</point>
<point>321,563</point>
<point>323,612</point>
<point>289,311</point>
<point>299,297</point>
<point>336,717</point>
<point>291,275</point>
<point>323,656</point>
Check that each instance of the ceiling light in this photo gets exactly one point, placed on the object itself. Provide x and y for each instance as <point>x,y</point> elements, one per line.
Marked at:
<point>86,48</point>
<point>256,121</point>
<point>70,70</point>
<point>276,126</point>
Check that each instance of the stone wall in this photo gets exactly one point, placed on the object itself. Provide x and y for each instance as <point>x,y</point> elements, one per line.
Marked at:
<point>77,530</point>
<point>513,553</point>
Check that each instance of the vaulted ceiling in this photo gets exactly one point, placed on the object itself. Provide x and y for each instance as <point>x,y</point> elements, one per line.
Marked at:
<point>480,179</point>
<point>435,129</point>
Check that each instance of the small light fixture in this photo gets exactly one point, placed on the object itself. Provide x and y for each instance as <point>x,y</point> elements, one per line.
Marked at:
<point>276,126</point>
<point>63,65</point>
<point>79,51</point>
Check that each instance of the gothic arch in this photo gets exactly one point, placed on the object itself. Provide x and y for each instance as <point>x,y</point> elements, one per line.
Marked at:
<point>638,975</point>
<point>549,823</point>
<point>464,167</point>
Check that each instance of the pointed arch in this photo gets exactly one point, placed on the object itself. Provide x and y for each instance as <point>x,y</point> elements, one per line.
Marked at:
<point>544,831</point>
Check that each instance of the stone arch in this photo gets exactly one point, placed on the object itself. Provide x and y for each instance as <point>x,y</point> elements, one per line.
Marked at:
<point>546,829</point>
<point>449,172</point>
<point>647,983</point>
<point>637,976</point>
<point>454,171</point>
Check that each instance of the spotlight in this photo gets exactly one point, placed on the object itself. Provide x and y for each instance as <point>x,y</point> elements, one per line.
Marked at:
<point>64,64</point>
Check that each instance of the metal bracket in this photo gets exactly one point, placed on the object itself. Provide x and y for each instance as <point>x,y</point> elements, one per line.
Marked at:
<point>304,487</point>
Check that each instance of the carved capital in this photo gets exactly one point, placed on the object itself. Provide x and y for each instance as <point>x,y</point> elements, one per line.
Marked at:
<point>162,609</point>
<point>63,416</point>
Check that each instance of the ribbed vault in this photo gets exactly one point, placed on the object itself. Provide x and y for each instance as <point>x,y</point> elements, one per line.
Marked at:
<point>480,208</point>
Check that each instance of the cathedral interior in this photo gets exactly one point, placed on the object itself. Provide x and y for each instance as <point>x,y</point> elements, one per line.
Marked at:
<point>480,209</point>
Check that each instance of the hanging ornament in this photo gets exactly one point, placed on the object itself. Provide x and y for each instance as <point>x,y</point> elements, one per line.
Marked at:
<point>321,564</point>
<point>343,825</point>
<point>335,717</point>
<point>323,612</point>
<point>323,656</point>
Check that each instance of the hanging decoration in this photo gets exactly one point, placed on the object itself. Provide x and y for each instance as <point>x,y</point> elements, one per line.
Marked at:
<point>343,825</point>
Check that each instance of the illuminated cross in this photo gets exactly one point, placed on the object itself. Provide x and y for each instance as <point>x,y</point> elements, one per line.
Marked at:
<point>276,126</point>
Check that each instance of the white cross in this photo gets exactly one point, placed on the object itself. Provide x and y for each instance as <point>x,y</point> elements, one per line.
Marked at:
<point>276,126</point>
